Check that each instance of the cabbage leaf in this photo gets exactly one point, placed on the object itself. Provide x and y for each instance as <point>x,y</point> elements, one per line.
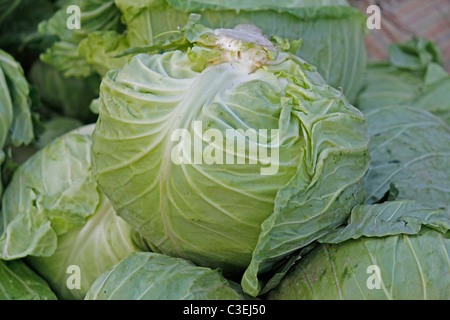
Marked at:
<point>19,282</point>
<point>395,250</point>
<point>153,276</point>
<point>409,149</point>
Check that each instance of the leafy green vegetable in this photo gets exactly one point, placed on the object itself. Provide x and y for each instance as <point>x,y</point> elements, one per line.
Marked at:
<point>16,124</point>
<point>16,102</point>
<point>153,276</point>
<point>54,128</point>
<point>414,54</point>
<point>103,241</point>
<point>68,96</point>
<point>389,218</point>
<point>413,77</point>
<point>53,211</point>
<point>19,282</point>
<point>394,237</point>
<point>250,219</point>
<point>95,15</point>
<point>410,149</point>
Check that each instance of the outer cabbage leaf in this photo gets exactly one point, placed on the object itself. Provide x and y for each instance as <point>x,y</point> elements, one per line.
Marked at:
<point>410,149</point>
<point>64,57</point>
<point>103,241</point>
<point>19,282</point>
<point>69,96</point>
<point>153,276</point>
<point>54,128</point>
<point>246,217</point>
<point>53,211</point>
<point>6,117</point>
<point>16,125</point>
<point>95,15</point>
<point>414,54</point>
<point>412,268</point>
<point>413,77</point>
<point>413,262</point>
<point>49,130</point>
<point>16,100</point>
<point>389,218</point>
<point>100,50</point>
<point>32,213</point>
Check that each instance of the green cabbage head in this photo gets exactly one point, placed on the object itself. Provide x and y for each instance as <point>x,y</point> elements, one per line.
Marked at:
<point>232,153</point>
<point>54,216</point>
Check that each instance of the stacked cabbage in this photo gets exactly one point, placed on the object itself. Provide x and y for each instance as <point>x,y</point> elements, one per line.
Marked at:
<point>228,214</point>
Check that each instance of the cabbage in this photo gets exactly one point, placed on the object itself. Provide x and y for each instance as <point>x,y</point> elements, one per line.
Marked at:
<point>413,77</point>
<point>407,241</point>
<point>19,282</point>
<point>395,250</point>
<point>409,149</point>
<point>96,15</point>
<point>238,210</point>
<point>54,216</point>
<point>153,276</point>
<point>68,96</point>
<point>16,125</point>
